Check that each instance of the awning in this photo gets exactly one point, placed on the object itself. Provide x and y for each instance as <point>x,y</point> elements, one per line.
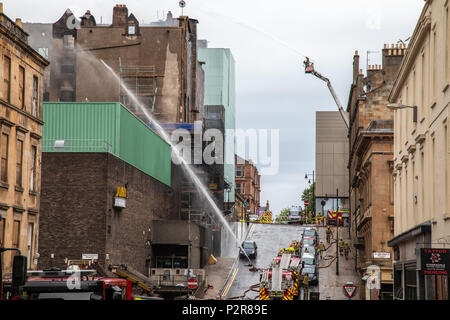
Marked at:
<point>419,229</point>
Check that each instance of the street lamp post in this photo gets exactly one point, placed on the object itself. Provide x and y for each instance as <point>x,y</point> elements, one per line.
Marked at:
<point>314,191</point>
<point>397,106</point>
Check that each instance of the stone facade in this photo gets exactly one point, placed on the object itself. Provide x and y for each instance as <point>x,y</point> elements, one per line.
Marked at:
<point>421,155</point>
<point>21,92</point>
<point>158,63</point>
<point>248,184</point>
<point>371,152</point>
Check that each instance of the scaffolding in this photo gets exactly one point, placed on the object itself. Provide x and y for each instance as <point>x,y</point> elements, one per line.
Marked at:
<point>141,81</point>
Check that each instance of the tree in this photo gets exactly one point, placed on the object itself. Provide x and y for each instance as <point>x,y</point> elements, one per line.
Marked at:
<point>283,216</point>
<point>308,195</point>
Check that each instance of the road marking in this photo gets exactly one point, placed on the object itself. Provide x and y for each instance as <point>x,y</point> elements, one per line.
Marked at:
<point>252,228</point>
<point>230,282</point>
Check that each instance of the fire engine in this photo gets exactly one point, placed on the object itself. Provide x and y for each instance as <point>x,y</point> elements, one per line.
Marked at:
<point>57,284</point>
<point>281,280</point>
<point>331,217</point>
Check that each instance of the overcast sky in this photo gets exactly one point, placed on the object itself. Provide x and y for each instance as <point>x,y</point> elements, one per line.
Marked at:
<point>268,40</point>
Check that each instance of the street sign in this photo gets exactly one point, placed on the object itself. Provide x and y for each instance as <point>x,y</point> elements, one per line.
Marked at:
<point>435,261</point>
<point>89,256</point>
<point>192,283</point>
<point>350,290</point>
<point>306,203</point>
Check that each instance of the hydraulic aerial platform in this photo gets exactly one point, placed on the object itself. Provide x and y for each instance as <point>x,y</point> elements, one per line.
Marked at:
<point>309,68</point>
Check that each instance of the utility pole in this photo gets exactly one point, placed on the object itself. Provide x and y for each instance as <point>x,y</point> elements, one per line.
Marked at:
<point>337,231</point>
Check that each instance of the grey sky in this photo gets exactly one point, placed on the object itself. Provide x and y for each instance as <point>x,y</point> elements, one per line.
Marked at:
<point>272,89</point>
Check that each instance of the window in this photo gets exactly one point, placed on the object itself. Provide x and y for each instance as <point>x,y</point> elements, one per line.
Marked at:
<point>4,158</point>
<point>21,87</point>
<point>16,236</point>
<point>240,171</point>
<point>131,30</point>
<point>30,243</point>
<point>67,95</point>
<point>35,101</point>
<point>7,79</point>
<point>19,157</point>
<point>238,187</point>
<point>434,66</point>
<point>33,169</point>
<point>446,46</point>
<point>2,229</point>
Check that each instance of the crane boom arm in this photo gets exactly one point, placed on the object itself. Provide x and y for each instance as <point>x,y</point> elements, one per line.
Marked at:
<point>309,68</point>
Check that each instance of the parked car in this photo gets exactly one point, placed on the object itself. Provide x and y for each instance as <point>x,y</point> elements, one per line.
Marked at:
<point>308,259</point>
<point>312,274</point>
<point>308,241</point>
<point>311,250</point>
<point>250,248</point>
<point>311,233</point>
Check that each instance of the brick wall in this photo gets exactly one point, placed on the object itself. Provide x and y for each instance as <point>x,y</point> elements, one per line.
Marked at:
<point>77,213</point>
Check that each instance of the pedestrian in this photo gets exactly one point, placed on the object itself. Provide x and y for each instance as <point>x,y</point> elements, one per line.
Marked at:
<point>305,287</point>
<point>328,234</point>
<point>341,246</point>
<point>321,248</point>
<point>346,249</point>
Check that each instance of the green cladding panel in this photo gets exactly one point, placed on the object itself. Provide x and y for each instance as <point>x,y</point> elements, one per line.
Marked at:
<point>106,127</point>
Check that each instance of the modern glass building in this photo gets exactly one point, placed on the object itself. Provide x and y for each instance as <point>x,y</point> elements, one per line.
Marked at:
<point>219,67</point>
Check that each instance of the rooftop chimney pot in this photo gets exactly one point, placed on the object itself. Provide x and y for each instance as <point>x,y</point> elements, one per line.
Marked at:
<point>19,22</point>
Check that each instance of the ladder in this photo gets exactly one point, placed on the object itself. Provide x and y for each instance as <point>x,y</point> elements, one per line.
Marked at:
<point>134,278</point>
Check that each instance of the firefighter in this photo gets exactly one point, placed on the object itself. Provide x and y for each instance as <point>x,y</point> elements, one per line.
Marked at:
<point>291,250</point>
<point>280,252</point>
<point>305,287</point>
<point>346,249</point>
<point>306,250</point>
<point>328,234</point>
<point>319,218</point>
<point>341,246</point>
<point>321,248</point>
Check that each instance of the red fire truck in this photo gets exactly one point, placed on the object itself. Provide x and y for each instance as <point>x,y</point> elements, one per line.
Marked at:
<point>55,284</point>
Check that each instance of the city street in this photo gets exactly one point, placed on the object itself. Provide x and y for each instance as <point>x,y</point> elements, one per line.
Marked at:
<point>269,238</point>
<point>162,157</point>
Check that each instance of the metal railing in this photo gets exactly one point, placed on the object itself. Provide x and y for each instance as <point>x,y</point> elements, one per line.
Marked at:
<point>76,145</point>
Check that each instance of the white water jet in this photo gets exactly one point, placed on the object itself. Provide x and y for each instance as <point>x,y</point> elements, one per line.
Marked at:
<point>186,166</point>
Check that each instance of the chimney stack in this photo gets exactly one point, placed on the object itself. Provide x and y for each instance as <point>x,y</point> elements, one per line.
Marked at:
<point>355,66</point>
<point>120,15</point>
<point>19,23</point>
